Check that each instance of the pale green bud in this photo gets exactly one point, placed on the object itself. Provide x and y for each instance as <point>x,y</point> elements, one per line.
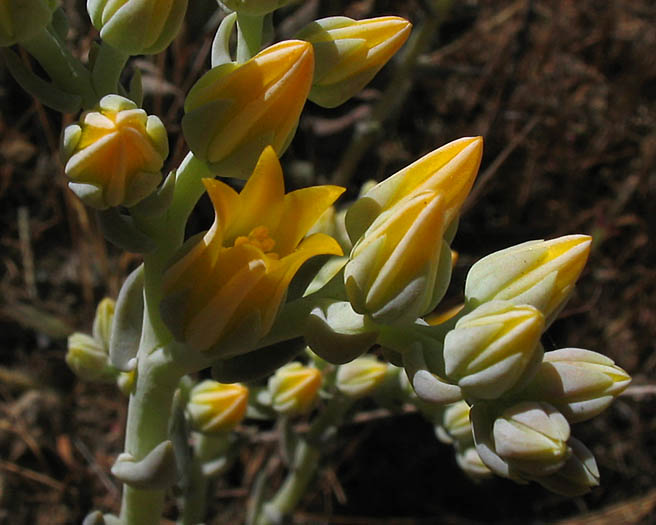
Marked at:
<point>360,377</point>
<point>577,476</point>
<point>490,349</point>
<point>532,438</point>
<point>22,20</point>
<point>580,383</point>
<point>539,273</point>
<point>87,357</point>
<point>114,154</point>
<point>125,381</point>
<point>294,388</point>
<point>472,464</point>
<point>254,7</point>
<point>216,407</point>
<point>455,421</point>
<point>350,52</point>
<point>102,322</point>
<point>137,27</point>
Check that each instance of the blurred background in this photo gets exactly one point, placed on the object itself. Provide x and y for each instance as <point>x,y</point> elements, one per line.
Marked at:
<point>564,93</point>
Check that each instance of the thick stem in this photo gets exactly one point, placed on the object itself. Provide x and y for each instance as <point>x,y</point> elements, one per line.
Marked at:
<point>147,426</point>
<point>66,71</point>
<point>306,461</point>
<point>107,69</point>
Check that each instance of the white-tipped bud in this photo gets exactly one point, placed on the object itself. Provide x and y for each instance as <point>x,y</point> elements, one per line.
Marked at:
<point>360,377</point>
<point>580,383</point>
<point>216,407</point>
<point>577,476</point>
<point>294,388</point>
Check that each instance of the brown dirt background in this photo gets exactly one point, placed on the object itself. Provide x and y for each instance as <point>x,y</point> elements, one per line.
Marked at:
<point>564,93</point>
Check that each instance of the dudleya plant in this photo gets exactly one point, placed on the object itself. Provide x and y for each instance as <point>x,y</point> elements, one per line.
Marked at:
<point>236,297</point>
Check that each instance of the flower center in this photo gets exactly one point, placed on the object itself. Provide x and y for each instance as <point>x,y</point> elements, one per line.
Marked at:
<point>259,237</point>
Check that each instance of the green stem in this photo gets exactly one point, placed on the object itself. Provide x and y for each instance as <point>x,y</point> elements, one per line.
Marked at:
<point>147,426</point>
<point>107,69</point>
<point>306,461</point>
<point>66,71</point>
<point>249,36</point>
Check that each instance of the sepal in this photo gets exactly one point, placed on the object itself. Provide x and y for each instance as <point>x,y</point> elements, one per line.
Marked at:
<point>127,324</point>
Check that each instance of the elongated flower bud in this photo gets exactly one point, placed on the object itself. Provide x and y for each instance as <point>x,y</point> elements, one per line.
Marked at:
<point>350,52</point>
<point>577,476</point>
<point>580,383</point>
<point>137,27</point>
<point>539,273</point>
<point>401,267</point>
<point>448,172</point>
<point>235,110</point>
<point>216,407</point>
<point>490,349</point>
<point>21,20</point>
<point>115,153</point>
<point>532,438</point>
<point>360,377</point>
<point>294,388</point>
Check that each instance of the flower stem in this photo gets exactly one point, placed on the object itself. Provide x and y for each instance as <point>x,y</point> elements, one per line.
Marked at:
<point>304,467</point>
<point>66,71</point>
<point>107,69</point>
<point>249,36</point>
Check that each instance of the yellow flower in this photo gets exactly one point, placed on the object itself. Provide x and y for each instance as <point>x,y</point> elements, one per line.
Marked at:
<point>137,27</point>
<point>350,52</point>
<point>448,171</point>
<point>294,388</point>
<point>232,282</point>
<point>115,154</point>
<point>539,273</point>
<point>216,407</point>
<point>400,266</point>
<point>22,19</point>
<point>235,110</point>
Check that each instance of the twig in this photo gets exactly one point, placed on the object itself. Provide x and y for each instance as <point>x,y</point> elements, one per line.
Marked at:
<point>31,474</point>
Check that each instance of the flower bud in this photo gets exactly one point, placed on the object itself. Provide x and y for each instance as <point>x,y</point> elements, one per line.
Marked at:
<point>455,422</point>
<point>137,27</point>
<point>125,382</point>
<point>490,349</point>
<point>360,377</point>
<point>400,268</point>
<point>255,7</point>
<point>115,154</point>
<point>235,110</point>
<point>539,273</point>
<point>532,438</point>
<point>580,383</point>
<point>102,322</point>
<point>21,20</point>
<point>87,357</point>
<point>350,52</point>
<point>472,464</point>
<point>216,407</point>
<point>294,388</point>
<point>448,172</point>
<point>577,476</point>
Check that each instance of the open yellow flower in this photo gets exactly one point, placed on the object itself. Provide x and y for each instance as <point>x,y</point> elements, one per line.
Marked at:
<point>231,283</point>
